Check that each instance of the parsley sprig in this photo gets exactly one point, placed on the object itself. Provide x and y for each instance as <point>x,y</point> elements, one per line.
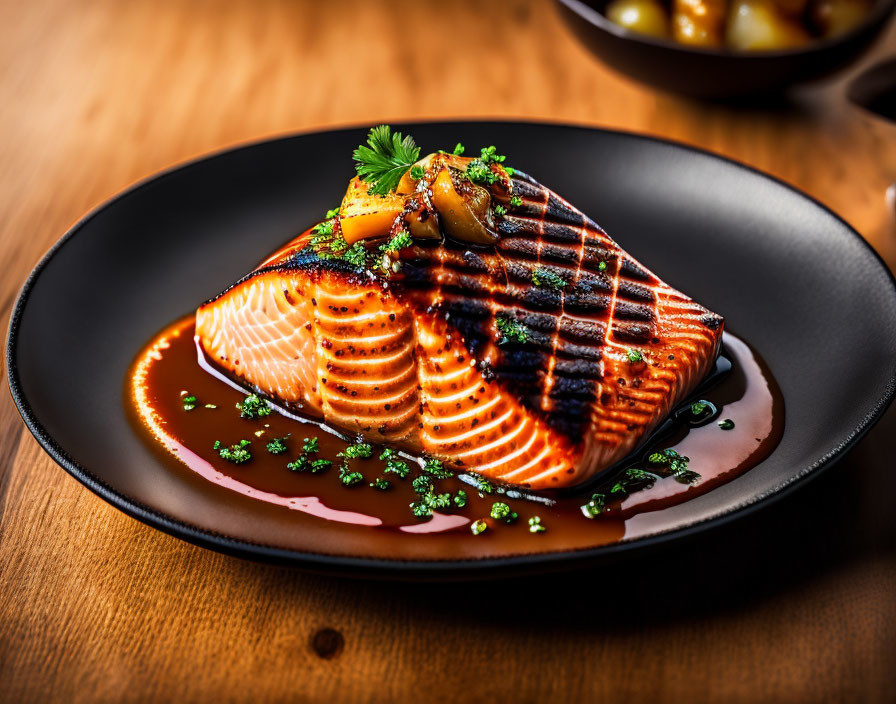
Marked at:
<point>385,159</point>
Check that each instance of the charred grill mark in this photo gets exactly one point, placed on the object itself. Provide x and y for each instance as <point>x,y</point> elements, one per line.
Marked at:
<point>632,332</point>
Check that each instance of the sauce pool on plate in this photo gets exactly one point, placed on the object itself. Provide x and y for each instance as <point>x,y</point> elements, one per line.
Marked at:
<point>208,426</point>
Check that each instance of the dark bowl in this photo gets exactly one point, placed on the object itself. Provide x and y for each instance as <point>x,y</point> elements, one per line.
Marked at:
<point>718,73</point>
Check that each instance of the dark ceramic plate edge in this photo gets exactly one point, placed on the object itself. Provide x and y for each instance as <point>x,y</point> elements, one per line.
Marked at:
<point>420,569</point>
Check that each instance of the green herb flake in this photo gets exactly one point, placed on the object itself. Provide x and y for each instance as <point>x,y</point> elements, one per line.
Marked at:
<point>460,498</point>
<point>360,450</point>
<point>459,149</point>
<point>516,201</point>
<point>545,278</point>
<point>596,506</point>
<point>698,408</point>
<point>385,159</point>
<point>479,172</point>
<point>277,446</point>
<point>727,424</point>
<point>356,255</point>
<point>253,406</point>
<point>511,330</point>
<point>436,468</point>
<point>489,155</point>
<point>237,454</point>
<point>501,512</point>
<point>500,210</point>
<point>535,525</point>
<point>483,486</point>
<point>478,527</point>
<point>300,464</point>
<point>417,172</point>
<point>323,228</point>
<point>349,477</point>
<point>381,484</point>
<point>634,356</point>
<point>510,170</point>
<point>399,467</point>
<point>602,266</point>
<point>422,484</point>
<point>420,509</point>
<point>399,241</point>
<point>332,213</point>
<point>189,402</point>
<point>320,465</point>
<point>310,445</point>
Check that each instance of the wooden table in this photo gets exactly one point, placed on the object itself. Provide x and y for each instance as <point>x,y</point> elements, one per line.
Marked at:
<point>797,603</point>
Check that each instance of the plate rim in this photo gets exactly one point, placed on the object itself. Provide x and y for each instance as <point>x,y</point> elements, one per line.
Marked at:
<point>405,567</point>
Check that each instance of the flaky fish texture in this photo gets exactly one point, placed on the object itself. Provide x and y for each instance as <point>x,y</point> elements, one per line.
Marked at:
<point>538,360</point>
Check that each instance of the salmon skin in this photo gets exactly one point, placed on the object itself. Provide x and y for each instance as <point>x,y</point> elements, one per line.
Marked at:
<point>536,361</point>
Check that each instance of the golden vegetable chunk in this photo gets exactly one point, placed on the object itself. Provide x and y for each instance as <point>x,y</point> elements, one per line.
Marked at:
<point>363,215</point>
<point>464,209</point>
<point>642,16</point>
<point>757,25</point>
<point>699,22</point>
<point>833,17</point>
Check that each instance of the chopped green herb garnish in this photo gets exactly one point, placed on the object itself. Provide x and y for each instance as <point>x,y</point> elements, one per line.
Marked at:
<point>417,172</point>
<point>460,498</point>
<point>726,424</point>
<point>477,527</point>
<point>356,255</point>
<point>189,402</point>
<point>300,464</point>
<point>634,356</point>
<point>501,512</point>
<point>596,506</point>
<point>381,484</point>
<point>516,201</point>
<point>332,213</point>
<point>535,525</point>
<point>360,450</point>
<point>310,445</point>
<point>420,509</point>
<point>511,330</point>
<point>320,465</point>
<point>545,278</point>
<point>698,408</point>
<point>510,170</point>
<point>489,155</point>
<point>238,453</point>
<point>422,484</point>
<point>602,266</point>
<point>436,468</point>
<point>500,210</point>
<point>658,458</point>
<point>483,486</point>
<point>384,159</point>
<point>459,149</point>
<point>323,228</point>
<point>479,172</point>
<point>277,446</point>
<point>399,467</point>
<point>349,477</point>
<point>399,241</point>
<point>253,406</point>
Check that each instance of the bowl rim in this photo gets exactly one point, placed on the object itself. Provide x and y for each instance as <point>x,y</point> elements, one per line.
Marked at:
<point>879,15</point>
<point>391,568</point>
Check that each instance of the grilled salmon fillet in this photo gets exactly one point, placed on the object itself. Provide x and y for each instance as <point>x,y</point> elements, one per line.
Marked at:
<point>536,360</point>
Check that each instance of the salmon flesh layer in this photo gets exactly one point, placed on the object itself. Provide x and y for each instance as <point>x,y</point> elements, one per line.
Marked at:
<point>537,361</point>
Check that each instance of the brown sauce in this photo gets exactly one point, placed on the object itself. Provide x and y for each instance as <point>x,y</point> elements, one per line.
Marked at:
<point>373,523</point>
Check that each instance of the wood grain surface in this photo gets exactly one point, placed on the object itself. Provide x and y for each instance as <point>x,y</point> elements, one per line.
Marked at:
<point>794,604</point>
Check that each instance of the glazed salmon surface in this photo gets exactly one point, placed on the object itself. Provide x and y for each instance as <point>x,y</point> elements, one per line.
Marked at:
<point>463,353</point>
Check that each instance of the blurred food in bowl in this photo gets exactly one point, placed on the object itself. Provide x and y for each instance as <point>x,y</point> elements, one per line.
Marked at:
<point>744,25</point>
<point>724,49</point>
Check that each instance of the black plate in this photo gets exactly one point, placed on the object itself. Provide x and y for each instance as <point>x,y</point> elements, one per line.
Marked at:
<point>790,276</point>
<point>718,73</point>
